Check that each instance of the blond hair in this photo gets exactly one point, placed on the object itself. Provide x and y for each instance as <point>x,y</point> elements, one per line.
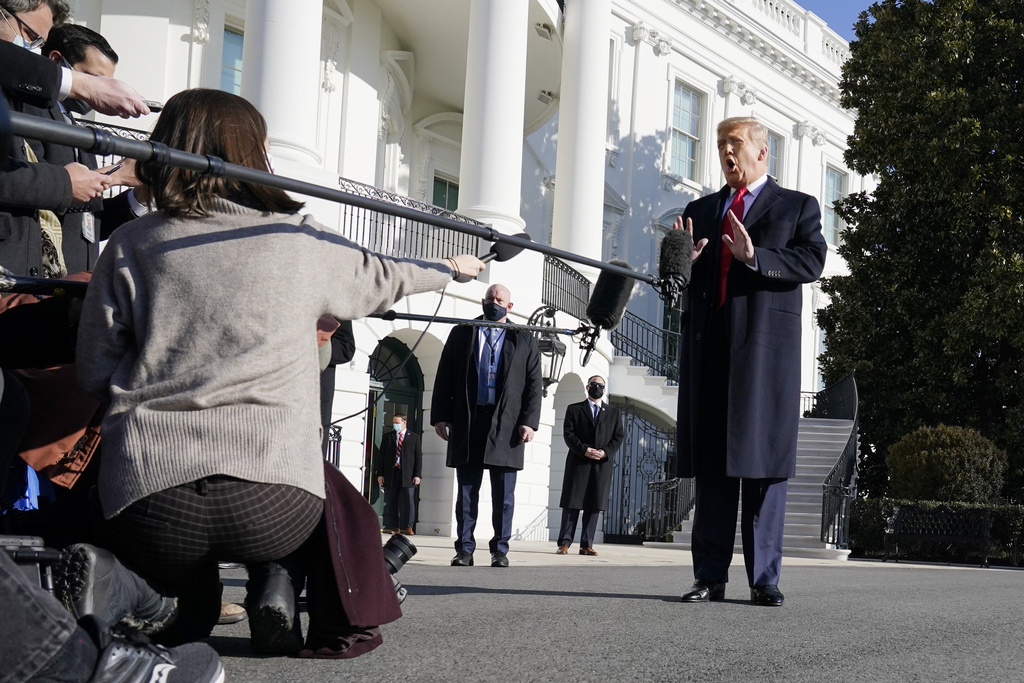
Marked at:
<point>758,131</point>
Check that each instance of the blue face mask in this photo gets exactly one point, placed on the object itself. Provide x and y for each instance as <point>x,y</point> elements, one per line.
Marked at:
<point>493,312</point>
<point>397,426</point>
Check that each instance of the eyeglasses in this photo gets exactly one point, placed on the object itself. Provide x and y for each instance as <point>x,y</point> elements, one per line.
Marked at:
<point>595,384</point>
<point>35,39</point>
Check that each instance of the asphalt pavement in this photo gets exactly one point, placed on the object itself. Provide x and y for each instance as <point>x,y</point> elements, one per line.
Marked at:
<point>617,617</point>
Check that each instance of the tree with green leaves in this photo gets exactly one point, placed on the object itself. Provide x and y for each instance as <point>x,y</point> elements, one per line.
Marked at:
<point>931,315</point>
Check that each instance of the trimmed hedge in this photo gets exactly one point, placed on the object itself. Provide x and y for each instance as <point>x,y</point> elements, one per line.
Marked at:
<point>951,464</point>
<point>869,516</point>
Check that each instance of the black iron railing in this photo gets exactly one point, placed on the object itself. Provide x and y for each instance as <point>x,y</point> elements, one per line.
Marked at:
<point>668,505</point>
<point>648,345</point>
<point>109,159</point>
<point>402,237</point>
<point>565,288</point>
<point>839,489</point>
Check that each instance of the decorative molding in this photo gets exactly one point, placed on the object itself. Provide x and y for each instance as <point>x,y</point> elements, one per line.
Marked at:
<point>747,95</point>
<point>785,56</point>
<point>424,157</point>
<point>333,30</point>
<point>806,129</point>
<point>201,21</point>
<point>662,44</point>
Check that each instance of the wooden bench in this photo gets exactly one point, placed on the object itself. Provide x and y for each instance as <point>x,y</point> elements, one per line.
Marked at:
<point>941,524</point>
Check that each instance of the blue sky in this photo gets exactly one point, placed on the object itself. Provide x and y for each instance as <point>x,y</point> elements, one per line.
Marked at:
<point>840,15</point>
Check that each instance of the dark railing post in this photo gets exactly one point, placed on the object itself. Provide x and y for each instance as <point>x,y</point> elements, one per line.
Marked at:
<point>839,489</point>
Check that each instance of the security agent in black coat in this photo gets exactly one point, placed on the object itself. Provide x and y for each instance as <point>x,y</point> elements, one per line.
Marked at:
<point>487,424</point>
<point>739,376</point>
<point>593,432</point>
<point>399,476</point>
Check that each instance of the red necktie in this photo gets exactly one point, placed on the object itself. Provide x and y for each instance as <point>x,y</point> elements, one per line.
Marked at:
<point>725,256</point>
<point>398,450</point>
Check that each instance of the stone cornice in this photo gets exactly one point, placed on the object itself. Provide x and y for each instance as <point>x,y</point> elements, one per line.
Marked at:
<point>783,56</point>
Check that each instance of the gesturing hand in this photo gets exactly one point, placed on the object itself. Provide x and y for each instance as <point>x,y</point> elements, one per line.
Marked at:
<point>697,247</point>
<point>739,244</point>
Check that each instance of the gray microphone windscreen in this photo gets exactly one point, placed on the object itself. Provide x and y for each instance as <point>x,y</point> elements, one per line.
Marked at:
<point>676,258</point>
<point>611,294</point>
<point>503,251</point>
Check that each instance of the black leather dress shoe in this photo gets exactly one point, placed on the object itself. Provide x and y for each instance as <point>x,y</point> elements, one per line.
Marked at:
<point>499,560</point>
<point>704,591</point>
<point>463,560</point>
<point>767,596</point>
<point>272,603</point>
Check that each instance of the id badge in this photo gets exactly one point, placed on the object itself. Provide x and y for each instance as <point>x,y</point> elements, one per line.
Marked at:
<point>89,227</point>
<point>490,379</point>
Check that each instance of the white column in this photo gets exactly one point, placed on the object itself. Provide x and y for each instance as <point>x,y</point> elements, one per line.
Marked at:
<point>281,72</point>
<point>490,172</point>
<point>582,120</point>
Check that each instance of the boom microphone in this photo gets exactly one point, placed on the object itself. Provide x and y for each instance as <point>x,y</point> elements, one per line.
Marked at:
<point>607,305</point>
<point>675,265</point>
<point>503,251</point>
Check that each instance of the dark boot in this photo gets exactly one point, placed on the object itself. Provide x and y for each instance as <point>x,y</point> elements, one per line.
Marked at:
<point>91,581</point>
<point>272,602</point>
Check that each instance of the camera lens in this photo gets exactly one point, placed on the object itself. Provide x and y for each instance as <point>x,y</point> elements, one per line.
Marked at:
<point>397,551</point>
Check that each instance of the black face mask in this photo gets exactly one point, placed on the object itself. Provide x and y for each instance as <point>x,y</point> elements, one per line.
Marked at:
<point>493,312</point>
<point>595,392</point>
<point>76,106</point>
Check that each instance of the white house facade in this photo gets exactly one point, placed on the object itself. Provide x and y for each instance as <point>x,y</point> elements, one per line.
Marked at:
<point>589,126</point>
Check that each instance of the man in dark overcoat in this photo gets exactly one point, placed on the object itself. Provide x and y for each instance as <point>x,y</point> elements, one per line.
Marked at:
<point>755,244</point>
<point>399,471</point>
<point>486,405</point>
<point>593,432</point>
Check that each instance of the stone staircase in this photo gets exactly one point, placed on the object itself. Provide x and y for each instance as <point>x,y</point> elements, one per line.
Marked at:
<point>819,444</point>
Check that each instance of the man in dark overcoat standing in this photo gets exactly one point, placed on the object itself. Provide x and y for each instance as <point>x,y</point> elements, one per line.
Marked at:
<point>593,432</point>
<point>755,244</point>
<point>486,405</point>
<point>399,469</point>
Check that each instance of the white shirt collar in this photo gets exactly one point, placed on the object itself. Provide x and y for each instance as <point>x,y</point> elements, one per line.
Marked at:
<point>753,189</point>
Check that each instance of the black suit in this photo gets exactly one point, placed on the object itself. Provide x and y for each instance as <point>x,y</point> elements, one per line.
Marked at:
<point>587,482</point>
<point>31,85</point>
<point>27,80</point>
<point>739,377</point>
<point>399,487</point>
<point>487,437</point>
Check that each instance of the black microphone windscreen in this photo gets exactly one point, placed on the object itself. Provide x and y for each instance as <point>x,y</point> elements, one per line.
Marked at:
<point>676,259</point>
<point>503,251</point>
<point>611,294</point>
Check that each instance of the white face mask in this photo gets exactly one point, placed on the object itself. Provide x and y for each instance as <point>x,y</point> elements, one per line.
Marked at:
<point>397,426</point>
<point>20,41</point>
<point>270,161</point>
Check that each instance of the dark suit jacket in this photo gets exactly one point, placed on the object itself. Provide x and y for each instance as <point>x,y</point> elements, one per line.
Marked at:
<point>587,482</point>
<point>27,80</point>
<point>763,309</point>
<point>412,457</point>
<point>519,391</point>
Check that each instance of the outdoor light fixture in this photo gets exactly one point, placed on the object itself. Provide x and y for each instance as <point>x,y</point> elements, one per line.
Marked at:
<point>552,349</point>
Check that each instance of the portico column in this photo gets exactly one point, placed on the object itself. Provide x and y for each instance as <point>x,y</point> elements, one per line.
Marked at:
<point>281,72</point>
<point>490,173</point>
<point>582,127</point>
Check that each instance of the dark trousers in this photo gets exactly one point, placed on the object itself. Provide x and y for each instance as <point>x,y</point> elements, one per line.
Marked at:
<point>37,632</point>
<point>399,503</point>
<point>567,531</point>
<point>176,537</point>
<point>467,504</point>
<point>15,408</point>
<point>761,526</point>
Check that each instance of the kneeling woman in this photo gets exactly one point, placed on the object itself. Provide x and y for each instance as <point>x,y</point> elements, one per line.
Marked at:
<point>199,329</point>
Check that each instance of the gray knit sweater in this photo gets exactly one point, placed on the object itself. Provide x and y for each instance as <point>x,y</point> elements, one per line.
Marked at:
<point>202,334</point>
